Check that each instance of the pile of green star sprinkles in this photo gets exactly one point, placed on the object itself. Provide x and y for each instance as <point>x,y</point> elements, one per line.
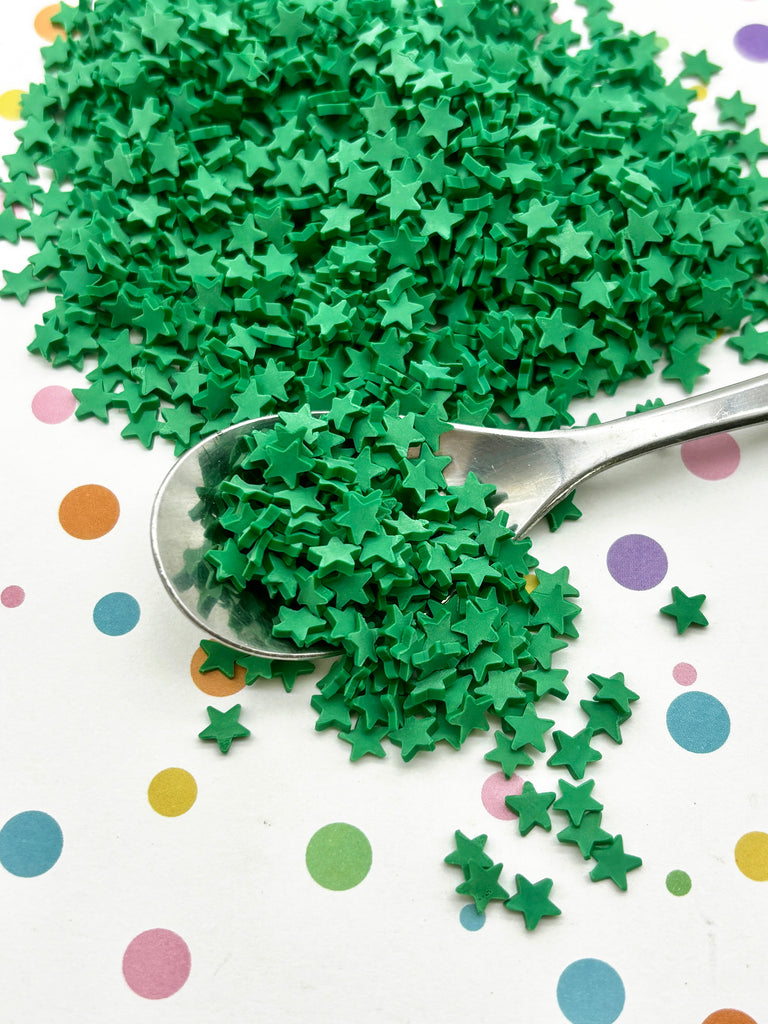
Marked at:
<point>400,214</point>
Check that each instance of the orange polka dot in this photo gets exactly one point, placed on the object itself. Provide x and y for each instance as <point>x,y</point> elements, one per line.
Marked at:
<point>215,683</point>
<point>45,27</point>
<point>89,511</point>
<point>729,1017</point>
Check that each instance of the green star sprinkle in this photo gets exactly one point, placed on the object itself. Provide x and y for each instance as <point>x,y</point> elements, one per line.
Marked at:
<point>573,752</point>
<point>532,901</point>
<point>611,862</point>
<point>224,727</point>
<point>468,851</point>
<point>506,756</point>
<point>482,884</point>
<point>531,807</point>
<point>576,801</point>
<point>614,689</point>
<point>685,610</point>
<point>587,835</point>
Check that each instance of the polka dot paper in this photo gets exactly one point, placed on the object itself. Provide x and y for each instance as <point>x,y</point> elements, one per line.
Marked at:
<point>281,881</point>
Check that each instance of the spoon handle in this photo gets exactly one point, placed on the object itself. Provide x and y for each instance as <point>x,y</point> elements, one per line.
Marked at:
<point>737,405</point>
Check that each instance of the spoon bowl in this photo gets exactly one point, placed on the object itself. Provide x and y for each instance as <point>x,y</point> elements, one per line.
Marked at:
<point>532,472</point>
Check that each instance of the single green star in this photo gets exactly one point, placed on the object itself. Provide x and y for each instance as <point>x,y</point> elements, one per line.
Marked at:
<point>604,718</point>
<point>531,807</point>
<point>482,885</point>
<point>472,495</point>
<point>613,689</point>
<point>365,739</point>
<point>440,221</point>
<point>576,801</point>
<point>750,344</point>
<point>533,407</point>
<point>563,511</point>
<point>685,610</point>
<point>611,862</point>
<point>586,835</point>
<point>571,243</point>
<point>537,217</point>
<point>224,727</point>
<point>532,901</point>
<point>414,735</point>
<point>506,756</point>
<point>573,752</point>
<point>734,109</point>
<point>468,851</point>
<point>438,121</point>
<point>528,728</point>
<point>699,66</point>
<point>471,715</point>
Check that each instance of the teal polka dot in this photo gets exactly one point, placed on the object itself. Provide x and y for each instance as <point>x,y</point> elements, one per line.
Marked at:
<point>698,722</point>
<point>116,614</point>
<point>30,843</point>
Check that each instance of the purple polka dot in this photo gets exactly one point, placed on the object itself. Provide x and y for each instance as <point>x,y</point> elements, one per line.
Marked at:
<point>752,42</point>
<point>495,788</point>
<point>684,674</point>
<point>637,562</point>
<point>53,404</point>
<point>12,597</point>
<point>711,458</point>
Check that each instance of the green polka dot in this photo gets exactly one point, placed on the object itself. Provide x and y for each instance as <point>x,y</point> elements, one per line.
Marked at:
<point>338,856</point>
<point>678,883</point>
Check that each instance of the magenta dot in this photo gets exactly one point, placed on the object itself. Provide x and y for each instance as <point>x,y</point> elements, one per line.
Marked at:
<point>53,404</point>
<point>711,458</point>
<point>637,562</point>
<point>684,674</point>
<point>12,597</point>
<point>495,788</point>
<point>156,963</point>
<point>752,42</point>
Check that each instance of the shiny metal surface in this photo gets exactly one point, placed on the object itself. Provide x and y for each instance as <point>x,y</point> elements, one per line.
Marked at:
<point>531,471</point>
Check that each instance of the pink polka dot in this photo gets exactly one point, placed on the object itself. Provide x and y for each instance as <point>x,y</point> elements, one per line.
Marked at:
<point>684,674</point>
<point>156,963</point>
<point>495,788</point>
<point>11,597</point>
<point>711,458</point>
<point>53,404</point>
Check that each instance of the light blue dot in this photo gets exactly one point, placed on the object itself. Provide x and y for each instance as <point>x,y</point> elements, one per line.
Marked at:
<point>590,992</point>
<point>30,843</point>
<point>698,722</point>
<point>471,918</point>
<point>116,614</point>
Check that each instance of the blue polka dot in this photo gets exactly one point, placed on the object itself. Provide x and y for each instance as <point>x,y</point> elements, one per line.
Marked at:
<point>590,992</point>
<point>698,722</point>
<point>116,614</point>
<point>472,919</point>
<point>30,843</point>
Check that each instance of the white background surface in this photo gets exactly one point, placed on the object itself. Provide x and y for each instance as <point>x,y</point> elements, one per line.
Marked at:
<point>88,720</point>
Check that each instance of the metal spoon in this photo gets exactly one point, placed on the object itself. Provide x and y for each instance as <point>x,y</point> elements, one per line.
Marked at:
<point>532,472</point>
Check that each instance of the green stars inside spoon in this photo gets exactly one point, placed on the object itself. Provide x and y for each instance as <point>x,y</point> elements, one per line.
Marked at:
<point>531,472</point>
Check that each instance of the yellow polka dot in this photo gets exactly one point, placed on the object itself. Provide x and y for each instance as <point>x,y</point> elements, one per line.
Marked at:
<point>752,856</point>
<point>701,92</point>
<point>531,582</point>
<point>172,792</point>
<point>10,104</point>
